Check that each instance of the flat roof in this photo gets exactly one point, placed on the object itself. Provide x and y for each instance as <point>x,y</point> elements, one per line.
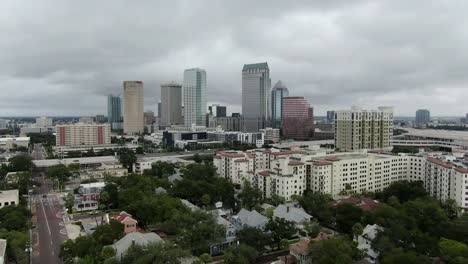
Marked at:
<point>7,194</point>
<point>87,160</point>
<point>437,133</point>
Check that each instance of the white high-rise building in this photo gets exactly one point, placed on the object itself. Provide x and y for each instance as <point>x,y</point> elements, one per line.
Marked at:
<point>194,97</point>
<point>363,129</point>
<point>44,122</point>
<point>256,85</point>
<point>171,104</point>
<point>133,107</point>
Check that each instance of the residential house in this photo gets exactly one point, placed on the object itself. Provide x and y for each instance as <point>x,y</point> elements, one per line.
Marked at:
<point>300,251</point>
<point>293,213</point>
<point>130,224</point>
<point>88,196</point>
<point>230,239</point>
<point>136,238</point>
<point>249,219</point>
<point>365,242</point>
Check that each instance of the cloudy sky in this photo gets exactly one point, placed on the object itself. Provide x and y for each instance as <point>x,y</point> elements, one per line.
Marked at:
<point>63,57</point>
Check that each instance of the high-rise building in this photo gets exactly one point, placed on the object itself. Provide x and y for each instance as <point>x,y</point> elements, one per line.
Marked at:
<point>133,107</point>
<point>278,92</point>
<point>330,117</point>
<point>148,116</point>
<point>194,97</point>
<point>363,129</point>
<point>298,118</point>
<point>423,116</point>
<point>256,85</point>
<point>82,134</point>
<point>171,104</point>
<point>114,110</point>
<point>159,109</point>
<point>272,135</point>
<point>217,110</point>
<point>44,122</point>
<point>100,119</point>
<point>3,123</point>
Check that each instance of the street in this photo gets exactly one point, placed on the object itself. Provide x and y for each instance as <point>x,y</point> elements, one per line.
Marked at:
<point>50,231</point>
<point>38,152</point>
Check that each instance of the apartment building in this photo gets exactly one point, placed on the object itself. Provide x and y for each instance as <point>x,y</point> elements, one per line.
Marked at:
<point>357,129</point>
<point>83,134</point>
<point>291,173</point>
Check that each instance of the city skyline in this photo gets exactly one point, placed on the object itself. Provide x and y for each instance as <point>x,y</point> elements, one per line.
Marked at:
<point>329,53</point>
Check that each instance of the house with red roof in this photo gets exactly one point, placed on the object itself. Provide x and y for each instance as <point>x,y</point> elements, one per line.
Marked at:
<point>130,224</point>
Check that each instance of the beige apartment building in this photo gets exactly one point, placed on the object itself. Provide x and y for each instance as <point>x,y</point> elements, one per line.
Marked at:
<point>83,134</point>
<point>357,129</point>
<point>133,107</point>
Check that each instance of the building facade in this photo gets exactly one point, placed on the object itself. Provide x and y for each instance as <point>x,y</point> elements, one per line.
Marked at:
<point>194,97</point>
<point>278,92</point>
<point>114,110</point>
<point>272,135</point>
<point>171,104</point>
<point>363,129</point>
<point>256,85</point>
<point>423,116</point>
<point>82,134</point>
<point>217,110</point>
<point>330,117</point>
<point>133,107</point>
<point>44,122</point>
<point>298,118</point>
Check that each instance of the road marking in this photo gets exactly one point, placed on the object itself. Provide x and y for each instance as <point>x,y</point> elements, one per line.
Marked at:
<point>45,216</point>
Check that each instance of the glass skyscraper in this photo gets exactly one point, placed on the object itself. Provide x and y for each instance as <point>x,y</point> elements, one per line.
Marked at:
<point>256,83</point>
<point>277,93</point>
<point>194,95</point>
<point>114,109</point>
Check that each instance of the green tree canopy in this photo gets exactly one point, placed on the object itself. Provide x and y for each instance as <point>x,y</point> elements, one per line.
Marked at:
<point>250,196</point>
<point>280,229</point>
<point>331,251</point>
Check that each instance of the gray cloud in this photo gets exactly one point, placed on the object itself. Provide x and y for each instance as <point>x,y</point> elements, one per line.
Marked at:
<point>63,57</point>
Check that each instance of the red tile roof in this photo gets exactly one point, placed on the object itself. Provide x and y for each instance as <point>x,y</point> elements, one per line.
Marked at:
<point>332,158</point>
<point>323,236</point>
<point>295,163</point>
<point>462,170</point>
<point>441,163</point>
<point>365,203</point>
<point>301,247</point>
<point>250,155</point>
<point>322,163</point>
<point>264,173</point>
<point>123,216</point>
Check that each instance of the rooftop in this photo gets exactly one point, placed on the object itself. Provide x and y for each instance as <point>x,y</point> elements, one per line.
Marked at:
<point>262,65</point>
<point>7,194</point>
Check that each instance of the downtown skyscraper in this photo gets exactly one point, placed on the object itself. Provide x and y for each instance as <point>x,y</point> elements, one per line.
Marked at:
<point>194,97</point>
<point>256,85</point>
<point>278,92</point>
<point>298,118</point>
<point>133,107</point>
<point>114,110</point>
<point>170,110</point>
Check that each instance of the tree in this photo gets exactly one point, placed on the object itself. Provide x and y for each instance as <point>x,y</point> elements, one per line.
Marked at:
<point>104,199</point>
<point>453,251</point>
<point>280,229</point>
<point>107,234</point>
<point>317,204</point>
<point>276,200</point>
<point>139,150</point>
<point>161,169</point>
<point>330,251</point>
<point>346,216</point>
<point>427,214</point>
<point>112,190</point>
<point>205,258</point>
<point>254,237</point>
<point>357,230</point>
<point>60,173</point>
<point>241,255</point>
<point>399,256</point>
<point>250,196</point>
<point>312,229</point>
<point>451,208</point>
<point>21,162</point>
<point>159,252</point>
<point>127,158</point>
<point>403,190</point>
<point>206,199</point>
<point>69,202</point>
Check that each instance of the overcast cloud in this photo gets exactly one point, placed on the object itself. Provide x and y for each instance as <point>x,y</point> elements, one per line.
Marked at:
<point>63,57</point>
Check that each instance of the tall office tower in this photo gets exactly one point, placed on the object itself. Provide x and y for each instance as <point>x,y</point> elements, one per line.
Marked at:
<point>82,134</point>
<point>133,107</point>
<point>363,129</point>
<point>423,116</point>
<point>148,116</point>
<point>217,110</point>
<point>44,122</point>
<point>194,97</point>
<point>278,92</point>
<point>159,109</point>
<point>171,104</point>
<point>298,118</point>
<point>330,117</point>
<point>114,110</point>
<point>256,85</point>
